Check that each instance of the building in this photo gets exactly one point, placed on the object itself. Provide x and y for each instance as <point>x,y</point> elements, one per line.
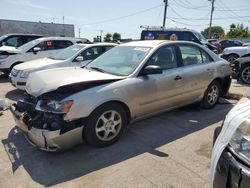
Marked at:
<point>46,29</point>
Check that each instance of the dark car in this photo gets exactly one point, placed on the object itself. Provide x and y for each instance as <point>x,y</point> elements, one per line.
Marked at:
<point>241,69</point>
<point>17,40</point>
<point>230,43</point>
<point>230,165</point>
<point>176,34</point>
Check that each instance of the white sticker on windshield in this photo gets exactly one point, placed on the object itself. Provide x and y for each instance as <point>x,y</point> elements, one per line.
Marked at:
<point>141,49</point>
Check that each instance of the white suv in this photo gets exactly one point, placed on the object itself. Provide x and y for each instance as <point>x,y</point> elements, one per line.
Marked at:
<point>233,53</point>
<point>77,55</point>
<point>42,47</point>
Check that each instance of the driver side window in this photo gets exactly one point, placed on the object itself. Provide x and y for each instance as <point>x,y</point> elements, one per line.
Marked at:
<point>91,53</point>
<point>165,58</point>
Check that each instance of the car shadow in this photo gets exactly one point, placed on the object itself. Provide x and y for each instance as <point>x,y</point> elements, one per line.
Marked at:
<point>147,135</point>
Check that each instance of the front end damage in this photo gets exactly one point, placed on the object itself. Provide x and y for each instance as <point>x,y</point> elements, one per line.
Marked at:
<point>46,130</point>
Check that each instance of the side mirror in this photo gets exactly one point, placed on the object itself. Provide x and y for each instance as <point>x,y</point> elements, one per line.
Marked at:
<point>79,59</point>
<point>3,43</point>
<point>151,69</point>
<point>36,49</point>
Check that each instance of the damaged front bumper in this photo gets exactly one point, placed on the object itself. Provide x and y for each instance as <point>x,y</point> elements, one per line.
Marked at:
<point>231,172</point>
<point>48,132</point>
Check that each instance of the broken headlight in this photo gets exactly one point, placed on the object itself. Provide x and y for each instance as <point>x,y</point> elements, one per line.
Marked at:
<point>54,106</point>
<point>240,142</point>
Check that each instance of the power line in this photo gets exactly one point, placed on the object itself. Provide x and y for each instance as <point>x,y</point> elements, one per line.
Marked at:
<point>122,17</point>
<point>187,23</point>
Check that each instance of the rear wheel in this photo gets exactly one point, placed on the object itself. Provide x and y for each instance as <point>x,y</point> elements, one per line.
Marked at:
<point>211,95</point>
<point>245,74</point>
<point>105,125</point>
<point>232,58</point>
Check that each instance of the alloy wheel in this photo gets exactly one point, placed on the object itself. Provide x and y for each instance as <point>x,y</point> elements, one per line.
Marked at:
<point>213,95</point>
<point>108,125</point>
<point>245,75</point>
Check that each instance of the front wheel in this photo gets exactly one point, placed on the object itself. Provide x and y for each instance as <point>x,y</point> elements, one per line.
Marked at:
<point>105,125</point>
<point>245,74</point>
<point>212,95</point>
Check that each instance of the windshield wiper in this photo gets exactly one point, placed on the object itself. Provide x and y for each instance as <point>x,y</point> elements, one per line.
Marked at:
<point>98,69</point>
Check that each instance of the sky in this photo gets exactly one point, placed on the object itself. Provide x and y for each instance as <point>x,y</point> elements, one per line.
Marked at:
<point>126,17</point>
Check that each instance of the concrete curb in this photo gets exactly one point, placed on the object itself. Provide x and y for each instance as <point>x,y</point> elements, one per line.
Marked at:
<point>235,96</point>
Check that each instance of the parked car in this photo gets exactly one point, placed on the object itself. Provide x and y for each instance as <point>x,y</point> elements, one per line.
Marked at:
<point>232,53</point>
<point>230,43</point>
<point>77,55</point>
<point>41,47</point>
<point>230,165</point>
<point>130,82</point>
<point>176,34</point>
<point>17,40</point>
<point>215,42</point>
<point>241,69</point>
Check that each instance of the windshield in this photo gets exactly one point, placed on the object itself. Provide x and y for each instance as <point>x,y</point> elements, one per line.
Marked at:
<point>28,45</point>
<point>200,37</point>
<point>68,52</point>
<point>121,60</point>
<point>3,37</point>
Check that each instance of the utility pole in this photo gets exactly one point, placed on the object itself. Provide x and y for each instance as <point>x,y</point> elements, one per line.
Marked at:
<point>101,35</point>
<point>63,27</point>
<point>79,32</point>
<point>211,17</point>
<point>165,12</point>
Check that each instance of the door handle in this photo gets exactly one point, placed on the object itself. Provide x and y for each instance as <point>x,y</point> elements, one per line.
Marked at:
<point>178,77</point>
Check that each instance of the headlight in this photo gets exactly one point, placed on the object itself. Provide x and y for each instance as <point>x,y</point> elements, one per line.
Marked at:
<point>4,56</point>
<point>240,142</point>
<point>54,106</point>
<point>24,74</point>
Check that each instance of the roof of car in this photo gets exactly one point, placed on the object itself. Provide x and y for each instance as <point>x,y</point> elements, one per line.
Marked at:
<point>169,29</point>
<point>145,43</point>
<point>58,38</point>
<point>23,34</point>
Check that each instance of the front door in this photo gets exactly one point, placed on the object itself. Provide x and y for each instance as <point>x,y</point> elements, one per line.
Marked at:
<point>160,91</point>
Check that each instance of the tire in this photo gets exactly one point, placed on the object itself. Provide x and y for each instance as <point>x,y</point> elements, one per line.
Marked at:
<point>232,58</point>
<point>245,74</point>
<point>101,129</point>
<point>211,95</point>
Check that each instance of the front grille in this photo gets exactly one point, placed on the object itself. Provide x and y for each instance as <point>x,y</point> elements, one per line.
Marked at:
<point>14,72</point>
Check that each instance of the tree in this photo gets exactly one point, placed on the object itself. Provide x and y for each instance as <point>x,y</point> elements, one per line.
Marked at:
<point>216,32</point>
<point>238,31</point>
<point>108,37</point>
<point>116,37</point>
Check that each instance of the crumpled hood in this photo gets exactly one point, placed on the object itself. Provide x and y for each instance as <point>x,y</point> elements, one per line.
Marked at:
<point>10,49</point>
<point>37,63</point>
<point>45,81</point>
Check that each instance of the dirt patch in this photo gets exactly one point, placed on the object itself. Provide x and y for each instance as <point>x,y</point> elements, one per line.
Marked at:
<point>205,150</point>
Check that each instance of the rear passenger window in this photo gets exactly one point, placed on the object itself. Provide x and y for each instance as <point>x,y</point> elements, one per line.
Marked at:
<point>165,58</point>
<point>205,57</point>
<point>191,55</point>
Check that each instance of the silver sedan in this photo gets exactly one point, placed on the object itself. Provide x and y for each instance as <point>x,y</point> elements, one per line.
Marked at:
<point>129,82</point>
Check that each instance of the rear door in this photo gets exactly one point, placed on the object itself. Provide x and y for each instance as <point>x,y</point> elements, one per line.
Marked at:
<point>197,71</point>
